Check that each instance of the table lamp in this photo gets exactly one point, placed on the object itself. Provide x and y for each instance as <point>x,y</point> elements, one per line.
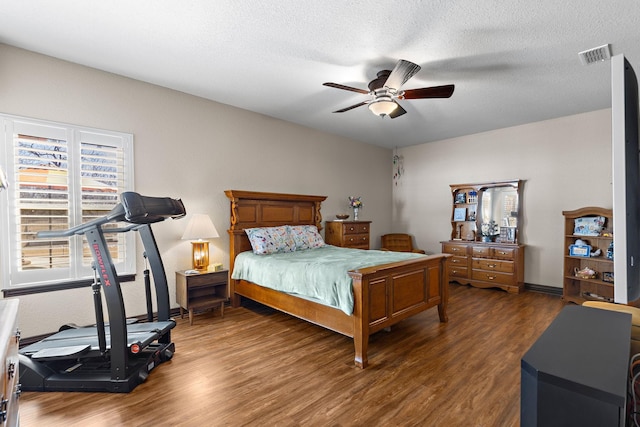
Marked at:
<point>198,229</point>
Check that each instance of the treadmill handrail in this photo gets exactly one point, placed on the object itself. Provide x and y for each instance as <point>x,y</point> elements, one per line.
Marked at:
<point>116,214</point>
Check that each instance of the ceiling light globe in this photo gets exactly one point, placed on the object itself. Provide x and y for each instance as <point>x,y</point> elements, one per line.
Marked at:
<point>382,107</point>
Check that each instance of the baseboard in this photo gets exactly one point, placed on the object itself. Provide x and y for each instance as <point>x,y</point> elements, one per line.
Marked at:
<point>551,290</point>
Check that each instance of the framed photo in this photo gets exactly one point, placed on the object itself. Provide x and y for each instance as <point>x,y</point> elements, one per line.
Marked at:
<point>459,214</point>
<point>461,198</point>
<point>588,226</point>
<point>583,251</point>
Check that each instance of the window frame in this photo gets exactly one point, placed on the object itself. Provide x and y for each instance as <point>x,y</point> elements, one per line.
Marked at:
<point>18,281</point>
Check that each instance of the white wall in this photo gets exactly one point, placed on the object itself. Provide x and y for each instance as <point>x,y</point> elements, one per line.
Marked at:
<point>565,163</point>
<point>190,148</point>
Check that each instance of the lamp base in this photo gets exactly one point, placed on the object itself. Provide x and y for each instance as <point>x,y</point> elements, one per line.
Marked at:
<point>200,255</point>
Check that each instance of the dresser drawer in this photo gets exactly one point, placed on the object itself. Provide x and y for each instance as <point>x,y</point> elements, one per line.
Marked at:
<point>452,248</point>
<point>355,228</point>
<point>504,253</point>
<point>457,266</point>
<point>492,265</point>
<point>481,252</point>
<point>356,240</point>
<point>493,276</point>
<point>497,253</point>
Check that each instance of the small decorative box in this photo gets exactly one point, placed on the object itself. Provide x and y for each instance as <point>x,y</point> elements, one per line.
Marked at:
<point>583,251</point>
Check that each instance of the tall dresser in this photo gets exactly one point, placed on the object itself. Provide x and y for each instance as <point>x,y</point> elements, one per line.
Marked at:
<point>348,234</point>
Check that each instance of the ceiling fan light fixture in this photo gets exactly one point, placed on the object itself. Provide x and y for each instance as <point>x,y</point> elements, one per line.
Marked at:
<point>382,106</point>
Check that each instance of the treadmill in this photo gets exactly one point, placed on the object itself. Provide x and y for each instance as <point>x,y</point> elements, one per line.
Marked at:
<point>117,356</point>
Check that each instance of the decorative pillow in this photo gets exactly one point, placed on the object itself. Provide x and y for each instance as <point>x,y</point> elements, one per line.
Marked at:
<point>306,236</point>
<point>270,240</point>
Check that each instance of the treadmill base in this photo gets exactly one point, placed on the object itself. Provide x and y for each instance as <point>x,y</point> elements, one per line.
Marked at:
<point>92,375</point>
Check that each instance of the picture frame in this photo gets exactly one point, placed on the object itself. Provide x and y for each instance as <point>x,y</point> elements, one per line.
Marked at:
<point>580,251</point>
<point>588,226</point>
<point>459,214</point>
<point>461,198</point>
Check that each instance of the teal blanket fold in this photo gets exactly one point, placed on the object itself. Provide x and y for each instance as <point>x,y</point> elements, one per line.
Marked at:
<point>319,274</point>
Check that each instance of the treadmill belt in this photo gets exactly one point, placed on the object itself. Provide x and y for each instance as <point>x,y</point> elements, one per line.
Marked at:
<point>69,352</point>
<point>142,334</point>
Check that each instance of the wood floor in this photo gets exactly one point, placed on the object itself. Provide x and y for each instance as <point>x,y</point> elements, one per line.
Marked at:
<point>256,366</point>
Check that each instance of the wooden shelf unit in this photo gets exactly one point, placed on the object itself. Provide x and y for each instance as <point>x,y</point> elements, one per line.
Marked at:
<point>576,289</point>
<point>465,197</point>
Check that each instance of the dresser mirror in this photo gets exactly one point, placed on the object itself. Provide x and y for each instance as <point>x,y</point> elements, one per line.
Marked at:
<point>499,204</point>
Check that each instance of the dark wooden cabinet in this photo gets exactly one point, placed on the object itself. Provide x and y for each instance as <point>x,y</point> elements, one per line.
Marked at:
<point>201,291</point>
<point>348,234</point>
<point>576,373</point>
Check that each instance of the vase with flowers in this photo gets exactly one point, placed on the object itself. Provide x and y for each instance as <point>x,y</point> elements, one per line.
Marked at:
<point>355,202</point>
<point>489,230</point>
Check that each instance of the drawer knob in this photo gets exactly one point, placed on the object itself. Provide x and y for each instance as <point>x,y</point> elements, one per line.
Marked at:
<point>491,277</point>
<point>491,265</point>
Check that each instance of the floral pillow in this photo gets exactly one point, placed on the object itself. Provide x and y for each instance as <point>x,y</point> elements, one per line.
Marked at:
<point>306,237</point>
<point>270,240</point>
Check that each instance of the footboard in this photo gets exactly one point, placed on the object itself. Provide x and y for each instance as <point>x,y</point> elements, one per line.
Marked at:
<point>389,293</point>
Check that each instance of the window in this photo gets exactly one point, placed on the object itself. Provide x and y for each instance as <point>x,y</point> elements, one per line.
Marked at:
<point>60,176</point>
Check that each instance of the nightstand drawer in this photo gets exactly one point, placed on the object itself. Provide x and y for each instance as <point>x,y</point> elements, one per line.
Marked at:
<point>207,279</point>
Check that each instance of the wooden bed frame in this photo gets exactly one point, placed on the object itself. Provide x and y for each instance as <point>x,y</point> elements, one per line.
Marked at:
<point>383,295</point>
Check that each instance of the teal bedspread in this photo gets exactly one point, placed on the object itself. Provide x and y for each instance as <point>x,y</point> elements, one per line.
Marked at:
<point>319,274</point>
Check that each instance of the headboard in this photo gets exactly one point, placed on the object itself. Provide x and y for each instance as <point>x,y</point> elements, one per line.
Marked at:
<point>249,209</point>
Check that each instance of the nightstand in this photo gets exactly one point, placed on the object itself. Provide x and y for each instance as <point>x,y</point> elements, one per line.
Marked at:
<point>201,291</point>
<point>348,234</point>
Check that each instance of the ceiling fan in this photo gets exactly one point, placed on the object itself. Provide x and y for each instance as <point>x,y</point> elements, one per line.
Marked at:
<point>385,90</point>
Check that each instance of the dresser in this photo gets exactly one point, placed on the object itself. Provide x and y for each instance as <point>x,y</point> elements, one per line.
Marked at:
<point>348,234</point>
<point>486,265</point>
<point>9,340</point>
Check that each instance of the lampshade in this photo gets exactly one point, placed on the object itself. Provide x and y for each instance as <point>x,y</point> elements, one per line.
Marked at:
<point>383,106</point>
<point>199,228</point>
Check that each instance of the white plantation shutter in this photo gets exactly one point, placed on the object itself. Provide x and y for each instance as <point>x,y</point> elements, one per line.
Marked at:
<point>60,176</point>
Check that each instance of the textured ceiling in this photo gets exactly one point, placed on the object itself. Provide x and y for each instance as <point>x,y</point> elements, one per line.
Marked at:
<point>512,62</point>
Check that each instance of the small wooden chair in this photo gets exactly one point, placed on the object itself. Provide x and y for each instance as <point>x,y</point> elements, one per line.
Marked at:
<point>399,242</point>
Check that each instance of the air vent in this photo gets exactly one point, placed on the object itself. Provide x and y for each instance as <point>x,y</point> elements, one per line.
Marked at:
<point>597,54</point>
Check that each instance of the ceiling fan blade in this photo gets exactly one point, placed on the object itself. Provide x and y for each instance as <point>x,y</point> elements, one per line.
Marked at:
<point>339,86</point>
<point>402,72</point>
<point>397,112</point>
<point>351,107</point>
<point>429,92</point>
